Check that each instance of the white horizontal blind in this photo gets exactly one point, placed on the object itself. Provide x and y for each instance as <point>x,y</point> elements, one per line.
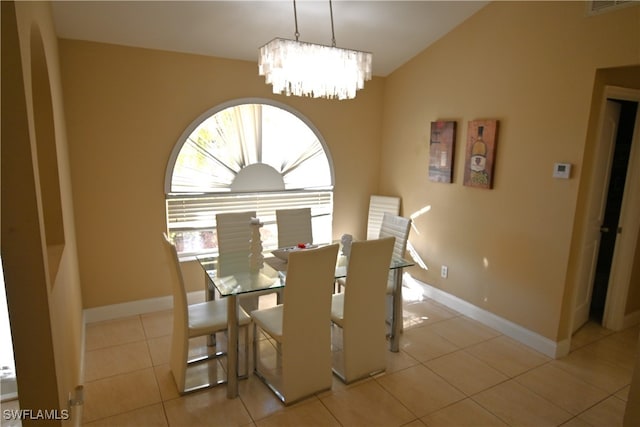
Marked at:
<point>187,212</point>
<point>198,212</point>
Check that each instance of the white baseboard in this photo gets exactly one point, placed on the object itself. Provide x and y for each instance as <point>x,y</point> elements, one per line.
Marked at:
<point>134,308</point>
<point>83,344</point>
<point>531,339</point>
<point>9,388</point>
<point>131,308</point>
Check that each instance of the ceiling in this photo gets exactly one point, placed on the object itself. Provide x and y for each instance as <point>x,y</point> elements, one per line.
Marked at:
<point>394,31</point>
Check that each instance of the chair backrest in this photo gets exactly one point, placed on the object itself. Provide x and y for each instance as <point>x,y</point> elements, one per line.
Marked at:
<point>180,345</point>
<point>306,350</point>
<point>234,231</point>
<point>234,237</point>
<point>364,312</point>
<point>398,227</point>
<point>177,281</point>
<point>294,226</point>
<point>378,205</point>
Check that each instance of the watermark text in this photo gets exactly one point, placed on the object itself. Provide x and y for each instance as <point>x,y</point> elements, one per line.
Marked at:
<point>35,414</point>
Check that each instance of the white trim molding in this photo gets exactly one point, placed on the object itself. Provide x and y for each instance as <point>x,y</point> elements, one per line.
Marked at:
<point>134,308</point>
<point>126,309</point>
<point>531,339</point>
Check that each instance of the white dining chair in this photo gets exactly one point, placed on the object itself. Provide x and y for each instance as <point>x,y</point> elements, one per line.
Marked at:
<point>234,233</point>
<point>398,227</point>
<point>196,320</point>
<point>360,311</point>
<point>300,327</point>
<point>294,226</point>
<point>233,230</point>
<point>378,205</point>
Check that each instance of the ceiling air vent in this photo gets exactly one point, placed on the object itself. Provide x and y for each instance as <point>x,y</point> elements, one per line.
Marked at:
<point>600,6</point>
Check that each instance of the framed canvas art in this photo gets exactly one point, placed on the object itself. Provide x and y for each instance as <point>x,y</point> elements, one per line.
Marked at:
<point>441,146</point>
<point>480,153</point>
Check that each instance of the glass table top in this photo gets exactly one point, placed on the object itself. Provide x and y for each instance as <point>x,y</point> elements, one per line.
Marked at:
<point>234,277</point>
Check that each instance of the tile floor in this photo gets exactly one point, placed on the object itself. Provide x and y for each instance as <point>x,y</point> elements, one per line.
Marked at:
<point>451,371</point>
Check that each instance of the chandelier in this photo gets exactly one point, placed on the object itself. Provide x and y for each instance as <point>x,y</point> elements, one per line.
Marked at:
<point>299,68</point>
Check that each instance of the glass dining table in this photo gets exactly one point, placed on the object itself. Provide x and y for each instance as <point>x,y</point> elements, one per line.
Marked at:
<point>242,280</point>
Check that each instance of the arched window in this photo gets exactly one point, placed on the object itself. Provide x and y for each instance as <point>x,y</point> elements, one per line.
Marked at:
<point>246,155</point>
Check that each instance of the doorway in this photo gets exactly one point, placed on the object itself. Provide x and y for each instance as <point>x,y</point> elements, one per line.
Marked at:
<point>610,225</point>
<point>604,299</point>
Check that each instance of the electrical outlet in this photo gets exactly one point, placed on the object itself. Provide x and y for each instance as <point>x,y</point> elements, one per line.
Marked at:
<point>444,271</point>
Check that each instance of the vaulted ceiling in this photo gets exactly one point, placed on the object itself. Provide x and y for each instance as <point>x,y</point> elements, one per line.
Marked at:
<point>394,31</point>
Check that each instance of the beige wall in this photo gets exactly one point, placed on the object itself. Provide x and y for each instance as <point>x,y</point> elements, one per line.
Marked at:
<point>531,66</point>
<point>508,249</point>
<point>633,300</point>
<point>38,232</point>
<point>127,107</point>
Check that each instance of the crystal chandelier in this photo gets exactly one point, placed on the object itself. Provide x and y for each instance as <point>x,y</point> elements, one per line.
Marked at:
<point>307,69</point>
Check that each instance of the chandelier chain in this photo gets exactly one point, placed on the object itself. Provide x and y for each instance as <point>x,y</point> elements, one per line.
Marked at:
<point>333,34</point>
<point>295,18</point>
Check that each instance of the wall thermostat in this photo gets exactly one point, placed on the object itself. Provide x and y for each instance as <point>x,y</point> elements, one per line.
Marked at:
<point>562,170</point>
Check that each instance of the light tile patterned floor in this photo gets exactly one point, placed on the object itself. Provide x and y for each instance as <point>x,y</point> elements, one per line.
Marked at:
<point>451,371</point>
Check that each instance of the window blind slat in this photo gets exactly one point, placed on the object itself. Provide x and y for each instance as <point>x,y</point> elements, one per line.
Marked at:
<point>185,211</point>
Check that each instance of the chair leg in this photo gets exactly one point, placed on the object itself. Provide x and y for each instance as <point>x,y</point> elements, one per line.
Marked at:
<point>246,350</point>
<point>255,347</point>
<point>211,340</point>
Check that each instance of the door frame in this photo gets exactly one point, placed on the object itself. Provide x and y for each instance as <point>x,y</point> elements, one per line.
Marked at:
<point>625,247</point>
<point>617,292</point>
<point>598,183</point>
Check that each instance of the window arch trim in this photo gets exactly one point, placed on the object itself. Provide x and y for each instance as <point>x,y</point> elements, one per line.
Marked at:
<point>235,102</point>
